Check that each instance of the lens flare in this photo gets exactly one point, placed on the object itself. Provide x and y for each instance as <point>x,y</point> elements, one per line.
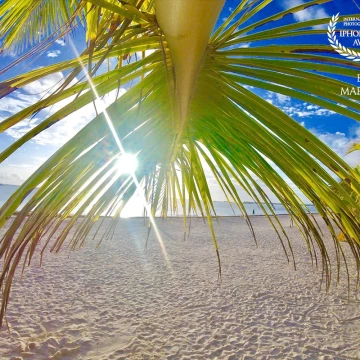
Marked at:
<point>127,164</point>
<point>123,154</point>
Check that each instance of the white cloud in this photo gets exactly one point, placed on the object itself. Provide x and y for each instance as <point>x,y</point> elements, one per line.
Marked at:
<point>30,94</point>
<point>340,144</point>
<point>13,104</point>
<point>311,13</point>
<point>53,53</point>
<point>296,110</point>
<point>338,141</point>
<point>12,176</point>
<point>42,85</point>
<point>65,129</point>
<point>60,42</point>
<point>282,99</point>
<point>17,173</point>
<point>20,129</point>
<point>313,112</point>
<point>237,46</point>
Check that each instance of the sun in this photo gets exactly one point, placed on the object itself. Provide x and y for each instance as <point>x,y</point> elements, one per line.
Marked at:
<point>127,164</point>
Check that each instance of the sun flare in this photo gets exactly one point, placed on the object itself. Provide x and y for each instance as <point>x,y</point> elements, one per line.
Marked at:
<point>127,164</point>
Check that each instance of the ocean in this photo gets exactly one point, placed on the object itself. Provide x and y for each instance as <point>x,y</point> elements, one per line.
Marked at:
<point>222,208</point>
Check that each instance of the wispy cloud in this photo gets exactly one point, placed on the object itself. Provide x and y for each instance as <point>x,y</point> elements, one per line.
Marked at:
<point>311,13</point>
<point>53,53</point>
<point>13,104</point>
<point>16,173</point>
<point>60,42</point>
<point>282,99</point>
<point>340,143</point>
<point>65,129</point>
<point>41,86</point>
<point>296,110</point>
<point>48,141</point>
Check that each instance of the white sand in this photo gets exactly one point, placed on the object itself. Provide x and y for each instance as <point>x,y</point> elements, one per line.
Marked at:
<point>119,302</point>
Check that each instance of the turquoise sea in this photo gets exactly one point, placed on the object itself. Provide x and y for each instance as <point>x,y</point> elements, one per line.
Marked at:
<point>222,207</point>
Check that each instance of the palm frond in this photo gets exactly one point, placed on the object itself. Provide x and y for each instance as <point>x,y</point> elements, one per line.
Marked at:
<point>27,22</point>
<point>354,147</point>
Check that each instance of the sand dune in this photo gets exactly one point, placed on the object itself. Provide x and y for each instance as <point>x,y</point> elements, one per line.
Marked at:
<point>121,302</point>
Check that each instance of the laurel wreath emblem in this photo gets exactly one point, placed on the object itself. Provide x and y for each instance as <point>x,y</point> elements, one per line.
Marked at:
<point>334,42</point>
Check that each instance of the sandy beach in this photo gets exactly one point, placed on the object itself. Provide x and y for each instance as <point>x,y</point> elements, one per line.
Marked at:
<point>121,302</point>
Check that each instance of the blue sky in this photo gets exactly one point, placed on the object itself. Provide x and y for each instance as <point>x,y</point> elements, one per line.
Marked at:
<point>336,131</point>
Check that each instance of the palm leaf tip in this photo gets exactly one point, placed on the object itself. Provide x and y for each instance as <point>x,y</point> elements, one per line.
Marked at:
<point>354,147</point>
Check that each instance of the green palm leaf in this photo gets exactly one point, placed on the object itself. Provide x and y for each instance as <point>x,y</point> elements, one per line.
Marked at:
<point>354,147</point>
<point>27,22</point>
<point>187,104</point>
